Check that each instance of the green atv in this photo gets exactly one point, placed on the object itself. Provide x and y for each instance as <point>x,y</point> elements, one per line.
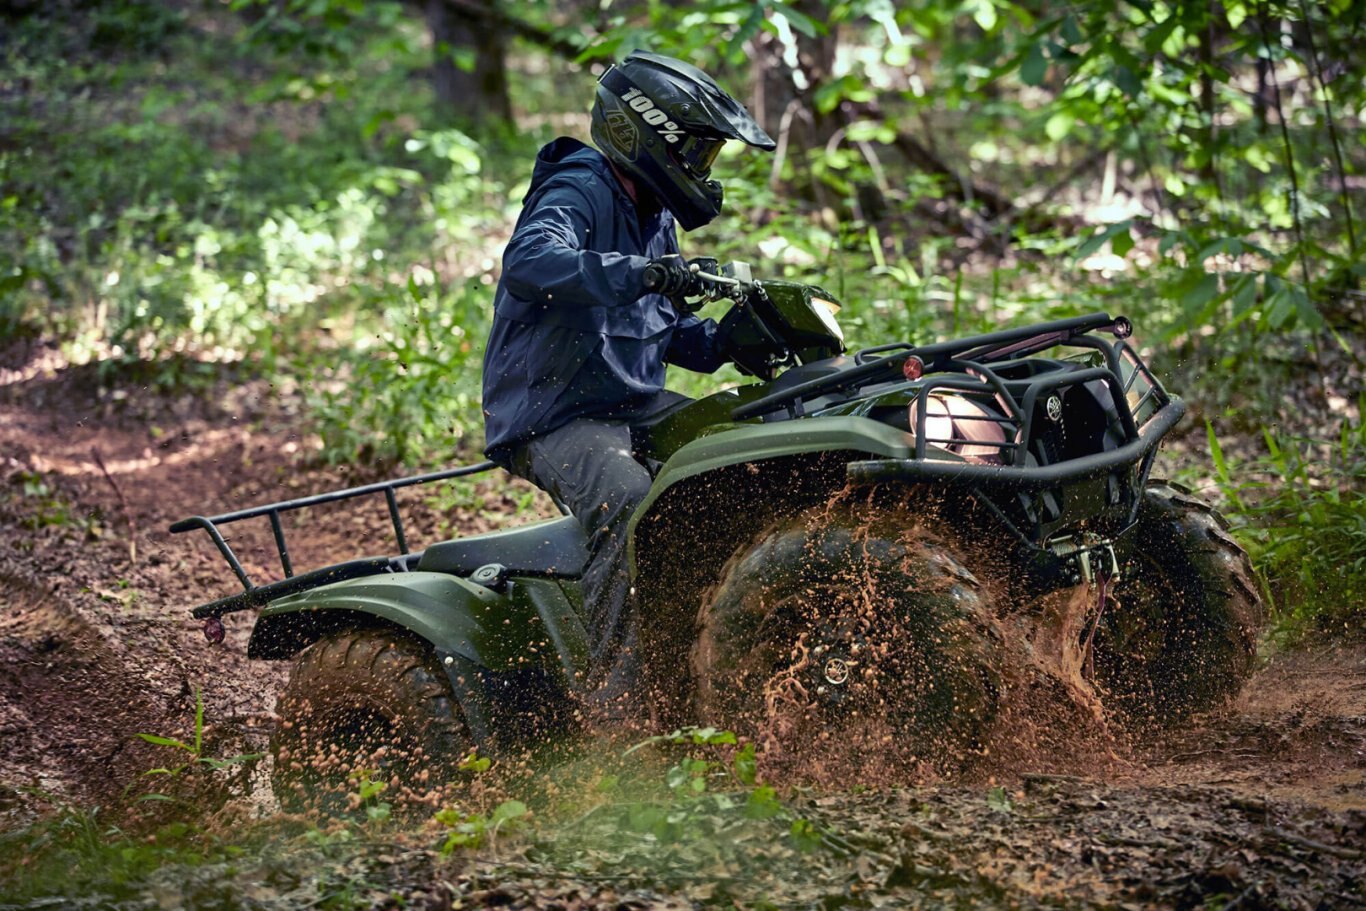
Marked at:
<point>842,548</point>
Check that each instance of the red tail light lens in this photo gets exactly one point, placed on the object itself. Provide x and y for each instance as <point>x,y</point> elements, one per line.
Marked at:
<point>913,368</point>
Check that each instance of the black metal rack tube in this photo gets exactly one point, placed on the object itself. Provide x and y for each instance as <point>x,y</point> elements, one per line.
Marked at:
<point>273,510</point>
<point>1050,333</point>
<point>1030,478</point>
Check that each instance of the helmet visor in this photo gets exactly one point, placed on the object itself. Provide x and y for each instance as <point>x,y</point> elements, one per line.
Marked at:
<point>697,154</point>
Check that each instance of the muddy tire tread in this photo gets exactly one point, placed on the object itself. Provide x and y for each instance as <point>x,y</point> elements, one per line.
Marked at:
<point>1229,610</point>
<point>394,673</point>
<point>811,546</point>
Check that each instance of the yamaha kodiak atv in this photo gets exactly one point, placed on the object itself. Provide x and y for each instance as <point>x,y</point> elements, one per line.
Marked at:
<point>834,543</point>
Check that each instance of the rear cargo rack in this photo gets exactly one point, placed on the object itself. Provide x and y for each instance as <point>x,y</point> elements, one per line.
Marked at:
<point>254,595</point>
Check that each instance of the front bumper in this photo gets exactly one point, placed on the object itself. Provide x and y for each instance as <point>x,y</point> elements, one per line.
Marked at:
<point>878,471</point>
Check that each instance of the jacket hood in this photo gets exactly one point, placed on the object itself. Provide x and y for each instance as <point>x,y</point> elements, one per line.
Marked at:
<point>567,153</point>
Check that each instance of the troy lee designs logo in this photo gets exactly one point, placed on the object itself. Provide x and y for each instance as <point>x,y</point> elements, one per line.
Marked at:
<point>651,114</point>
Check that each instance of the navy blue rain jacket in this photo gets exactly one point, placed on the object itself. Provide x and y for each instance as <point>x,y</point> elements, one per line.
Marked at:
<point>572,334</point>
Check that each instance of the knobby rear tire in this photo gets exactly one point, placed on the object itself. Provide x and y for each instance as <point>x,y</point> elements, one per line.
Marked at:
<point>365,699</point>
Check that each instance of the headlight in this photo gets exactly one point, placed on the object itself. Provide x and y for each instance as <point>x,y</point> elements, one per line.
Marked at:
<point>825,310</point>
<point>962,426</point>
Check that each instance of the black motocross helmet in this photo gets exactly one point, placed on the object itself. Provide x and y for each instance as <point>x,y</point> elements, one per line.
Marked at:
<point>662,121</point>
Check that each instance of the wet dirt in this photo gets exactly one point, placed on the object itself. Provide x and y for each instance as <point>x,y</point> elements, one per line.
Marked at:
<point>1260,805</point>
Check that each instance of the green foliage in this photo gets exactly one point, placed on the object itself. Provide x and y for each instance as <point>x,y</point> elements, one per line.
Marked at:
<point>710,787</point>
<point>191,218</point>
<point>1304,524</point>
<point>411,391</point>
<point>474,830</point>
<point>79,852</point>
<point>195,761</point>
<point>45,507</point>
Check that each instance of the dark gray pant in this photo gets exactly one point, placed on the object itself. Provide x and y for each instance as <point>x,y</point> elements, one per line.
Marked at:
<point>588,466</point>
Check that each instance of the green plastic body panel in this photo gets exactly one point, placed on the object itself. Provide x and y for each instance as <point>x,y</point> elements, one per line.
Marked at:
<point>534,623</point>
<point>753,443</point>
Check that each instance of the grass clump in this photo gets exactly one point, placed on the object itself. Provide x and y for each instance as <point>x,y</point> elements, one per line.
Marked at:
<point>1300,510</point>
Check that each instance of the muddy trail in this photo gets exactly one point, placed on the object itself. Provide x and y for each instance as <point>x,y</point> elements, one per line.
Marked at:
<point>1260,805</point>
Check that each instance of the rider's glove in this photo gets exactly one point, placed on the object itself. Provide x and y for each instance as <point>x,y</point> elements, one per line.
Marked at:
<point>673,278</point>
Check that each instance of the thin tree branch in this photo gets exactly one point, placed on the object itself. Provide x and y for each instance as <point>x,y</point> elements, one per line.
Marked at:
<point>1289,153</point>
<point>1332,129</point>
<point>123,502</point>
<point>519,27</point>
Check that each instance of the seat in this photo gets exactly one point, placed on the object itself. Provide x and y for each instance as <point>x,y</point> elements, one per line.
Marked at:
<point>556,547</point>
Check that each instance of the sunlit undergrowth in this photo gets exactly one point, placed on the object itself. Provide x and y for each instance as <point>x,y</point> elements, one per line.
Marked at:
<point>1300,510</point>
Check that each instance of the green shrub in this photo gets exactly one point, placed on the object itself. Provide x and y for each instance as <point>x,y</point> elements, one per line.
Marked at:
<point>410,391</point>
<point>1300,510</point>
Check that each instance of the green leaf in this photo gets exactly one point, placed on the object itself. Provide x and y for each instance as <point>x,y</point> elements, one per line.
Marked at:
<point>747,30</point>
<point>804,834</point>
<point>797,19</point>
<point>1059,125</point>
<point>1204,291</point>
<point>984,14</point>
<point>998,800</point>
<point>167,742</point>
<point>676,777</point>
<point>1071,33</point>
<point>763,803</point>
<point>507,811</point>
<point>1158,35</point>
<point>1034,66</point>
<point>1216,452</point>
<point>1171,239</point>
<point>746,765</point>
<point>1099,239</point>
<point>1122,242</point>
<point>198,721</point>
<point>217,764</point>
<point>1127,82</point>
<point>475,763</point>
<point>14,281</point>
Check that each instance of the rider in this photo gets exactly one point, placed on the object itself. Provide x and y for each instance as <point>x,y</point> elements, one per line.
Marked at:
<point>590,307</point>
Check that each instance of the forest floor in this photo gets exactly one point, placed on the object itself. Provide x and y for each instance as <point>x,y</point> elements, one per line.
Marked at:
<point>1260,805</point>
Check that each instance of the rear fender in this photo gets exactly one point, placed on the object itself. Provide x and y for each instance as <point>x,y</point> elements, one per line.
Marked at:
<point>453,614</point>
<point>482,638</point>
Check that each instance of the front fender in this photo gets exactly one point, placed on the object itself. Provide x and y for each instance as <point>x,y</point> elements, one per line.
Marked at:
<point>456,616</point>
<point>755,443</point>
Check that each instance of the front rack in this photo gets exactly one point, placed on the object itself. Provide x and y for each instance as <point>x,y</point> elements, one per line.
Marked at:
<point>273,511</point>
<point>1021,342</point>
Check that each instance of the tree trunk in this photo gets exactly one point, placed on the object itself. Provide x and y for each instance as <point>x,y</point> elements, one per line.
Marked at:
<point>477,96</point>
